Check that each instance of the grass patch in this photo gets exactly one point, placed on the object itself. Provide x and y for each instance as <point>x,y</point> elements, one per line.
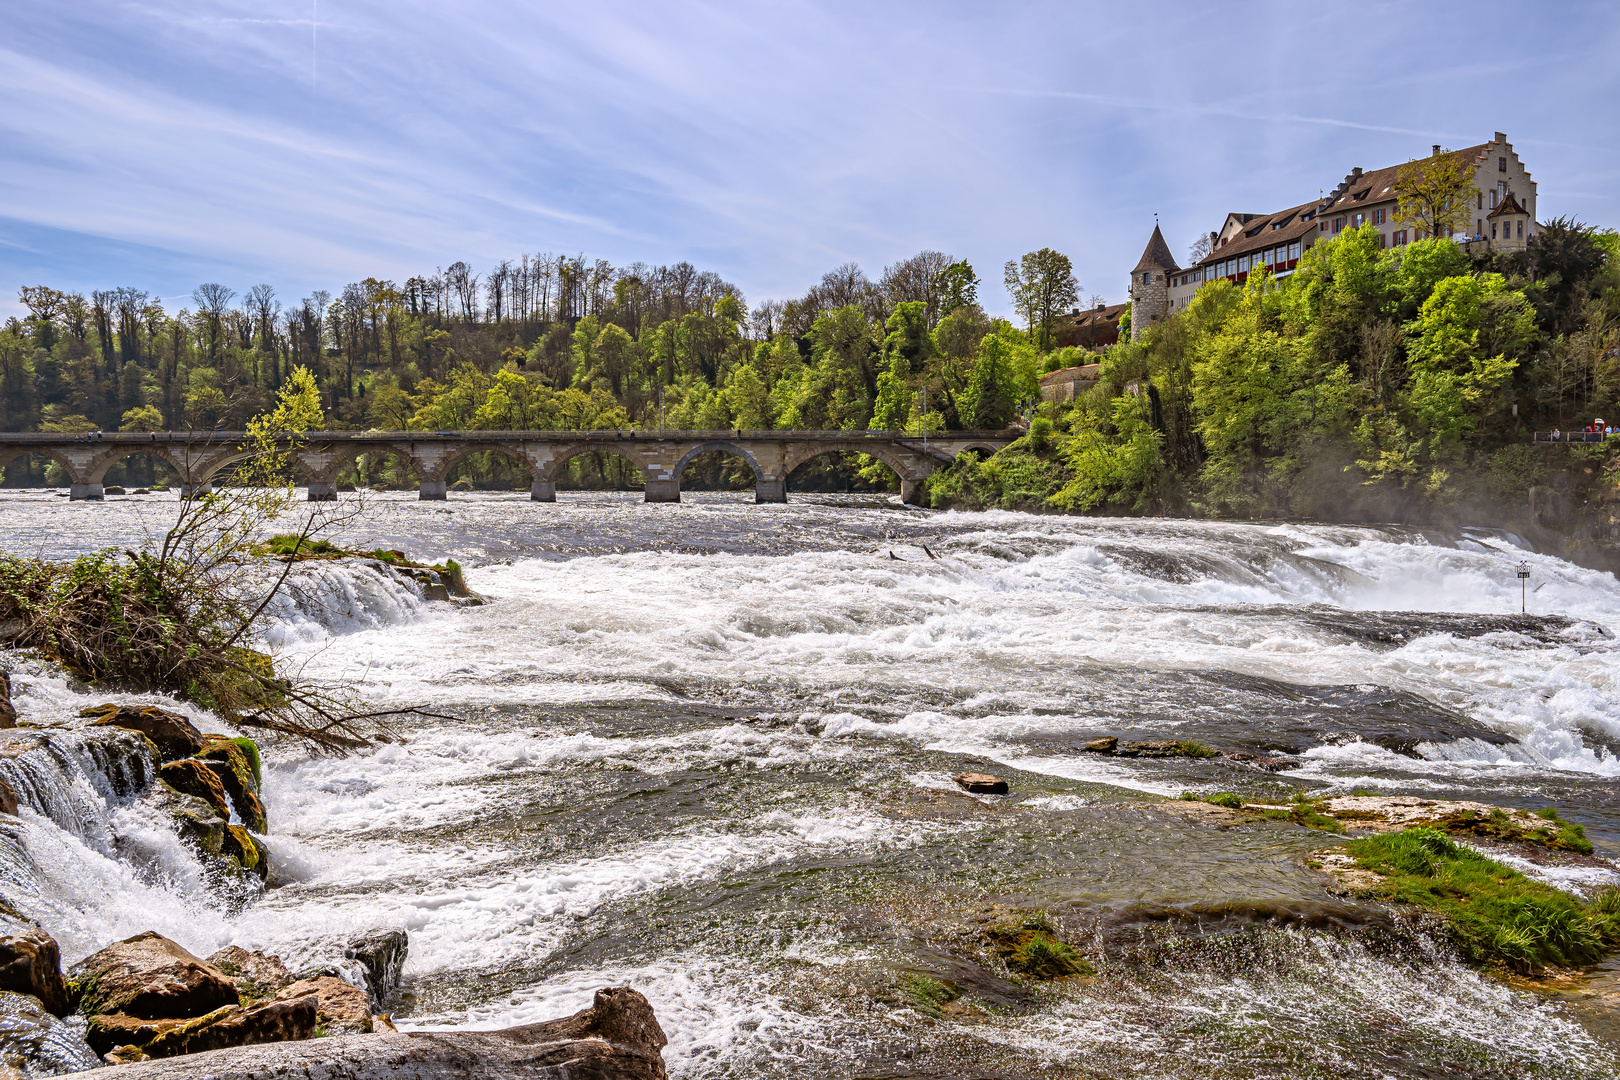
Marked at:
<point>288,543</point>
<point>1194,750</point>
<point>1229,799</point>
<point>926,994</point>
<point>1030,948</point>
<point>1557,834</point>
<point>1494,914</point>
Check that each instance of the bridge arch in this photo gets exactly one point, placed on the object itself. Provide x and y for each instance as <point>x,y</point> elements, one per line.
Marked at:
<point>905,465</point>
<point>727,447</point>
<point>546,473</point>
<point>97,470</point>
<point>909,467</point>
<point>449,462</point>
<point>47,452</point>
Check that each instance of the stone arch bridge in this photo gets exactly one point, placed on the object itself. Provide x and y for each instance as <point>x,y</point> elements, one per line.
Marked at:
<point>198,457</point>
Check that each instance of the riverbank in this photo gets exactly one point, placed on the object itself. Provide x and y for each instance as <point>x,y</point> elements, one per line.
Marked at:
<point>1567,503</point>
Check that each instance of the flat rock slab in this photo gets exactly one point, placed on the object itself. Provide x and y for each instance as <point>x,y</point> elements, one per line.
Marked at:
<point>617,1038</point>
<point>982,783</point>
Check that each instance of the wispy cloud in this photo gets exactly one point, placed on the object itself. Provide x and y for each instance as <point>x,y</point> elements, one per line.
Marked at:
<point>152,143</point>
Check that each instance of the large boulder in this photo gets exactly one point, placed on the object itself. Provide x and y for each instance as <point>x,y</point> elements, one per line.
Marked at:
<point>228,1026</point>
<point>617,1038</point>
<point>258,975</point>
<point>31,963</point>
<point>149,977</point>
<point>35,1043</point>
<point>343,1008</point>
<point>174,735</point>
<point>230,765</point>
<point>381,953</point>
<point>195,778</point>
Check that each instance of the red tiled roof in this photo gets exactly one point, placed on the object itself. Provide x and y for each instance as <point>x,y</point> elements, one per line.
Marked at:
<point>1262,231</point>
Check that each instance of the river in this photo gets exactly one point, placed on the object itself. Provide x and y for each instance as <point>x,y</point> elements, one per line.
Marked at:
<point>706,750</point>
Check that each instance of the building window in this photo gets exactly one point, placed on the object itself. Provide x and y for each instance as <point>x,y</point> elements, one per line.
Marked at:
<point>1383,241</point>
<point>1481,205</point>
<point>1479,225</point>
<point>1493,200</point>
<point>1493,230</point>
<point>1501,187</point>
<point>1521,230</point>
<point>1379,217</point>
<point>1501,164</point>
<point>1243,264</point>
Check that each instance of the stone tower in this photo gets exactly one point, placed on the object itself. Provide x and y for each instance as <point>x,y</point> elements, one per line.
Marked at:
<point>1150,284</point>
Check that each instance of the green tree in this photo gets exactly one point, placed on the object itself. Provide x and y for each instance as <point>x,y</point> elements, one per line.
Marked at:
<point>1042,286</point>
<point>958,288</point>
<point>987,404</point>
<point>142,418</point>
<point>1432,194</point>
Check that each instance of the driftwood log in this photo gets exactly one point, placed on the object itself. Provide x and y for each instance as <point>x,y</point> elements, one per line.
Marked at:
<point>617,1038</point>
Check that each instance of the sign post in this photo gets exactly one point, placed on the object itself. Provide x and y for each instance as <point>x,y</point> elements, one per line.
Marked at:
<point>1524,583</point>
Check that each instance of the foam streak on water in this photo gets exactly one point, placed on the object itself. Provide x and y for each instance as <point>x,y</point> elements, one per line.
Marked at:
<point>706,749</point>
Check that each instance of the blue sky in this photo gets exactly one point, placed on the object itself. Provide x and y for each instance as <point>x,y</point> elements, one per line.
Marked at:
<point>163,144</point>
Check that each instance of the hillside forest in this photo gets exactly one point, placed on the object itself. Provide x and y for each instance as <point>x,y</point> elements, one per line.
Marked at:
<point>544,343</point>
<point>1391,384</point>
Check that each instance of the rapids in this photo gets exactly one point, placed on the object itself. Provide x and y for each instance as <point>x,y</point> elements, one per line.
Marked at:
<point>705,749</point>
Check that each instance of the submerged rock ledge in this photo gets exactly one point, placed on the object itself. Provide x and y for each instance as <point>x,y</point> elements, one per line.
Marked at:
<point>617,1038</point>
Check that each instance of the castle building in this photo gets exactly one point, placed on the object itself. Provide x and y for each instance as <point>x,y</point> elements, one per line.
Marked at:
<point>1504,220</point>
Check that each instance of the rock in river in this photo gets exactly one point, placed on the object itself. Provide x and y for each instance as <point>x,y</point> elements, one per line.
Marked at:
<point>341,1008</point>
<point>174,735</point>
<point>35,1043</point>
<point>982,783</point>
<point>150,977</point>
<point>30,963</point>
<point>227,1026</point>
<point>617,1038</point>
<point>381,953</point>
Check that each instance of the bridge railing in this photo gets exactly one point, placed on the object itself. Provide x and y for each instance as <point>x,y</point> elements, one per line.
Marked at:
<point>226,437</point>
<point>1571,436</point>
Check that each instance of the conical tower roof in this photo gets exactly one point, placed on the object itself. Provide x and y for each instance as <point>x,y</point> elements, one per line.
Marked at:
<point>1157,256</point>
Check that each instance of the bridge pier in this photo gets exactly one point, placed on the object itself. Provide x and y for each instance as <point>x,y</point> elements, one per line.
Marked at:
<point>663,491</point>
<point>911,491</point>
<point>92,492</point>
<point>321,491</point>
<point>542,491</point>
<point>433,490</point>
<point>770,491</point>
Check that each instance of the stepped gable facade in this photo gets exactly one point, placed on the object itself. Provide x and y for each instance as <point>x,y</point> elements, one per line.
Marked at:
<point>1504,220</point>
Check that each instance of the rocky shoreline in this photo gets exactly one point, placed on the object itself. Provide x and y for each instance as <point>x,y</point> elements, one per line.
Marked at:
<point>147,1004</point>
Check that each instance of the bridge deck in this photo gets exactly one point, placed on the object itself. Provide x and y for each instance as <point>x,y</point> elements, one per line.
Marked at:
<point>660,455</point>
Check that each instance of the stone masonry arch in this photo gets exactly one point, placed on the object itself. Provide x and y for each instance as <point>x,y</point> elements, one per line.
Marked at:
<point>100,465</point>
<point>912,468</point>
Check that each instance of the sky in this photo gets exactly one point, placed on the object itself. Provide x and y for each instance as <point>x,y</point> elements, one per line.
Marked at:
<point>309,144</point>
